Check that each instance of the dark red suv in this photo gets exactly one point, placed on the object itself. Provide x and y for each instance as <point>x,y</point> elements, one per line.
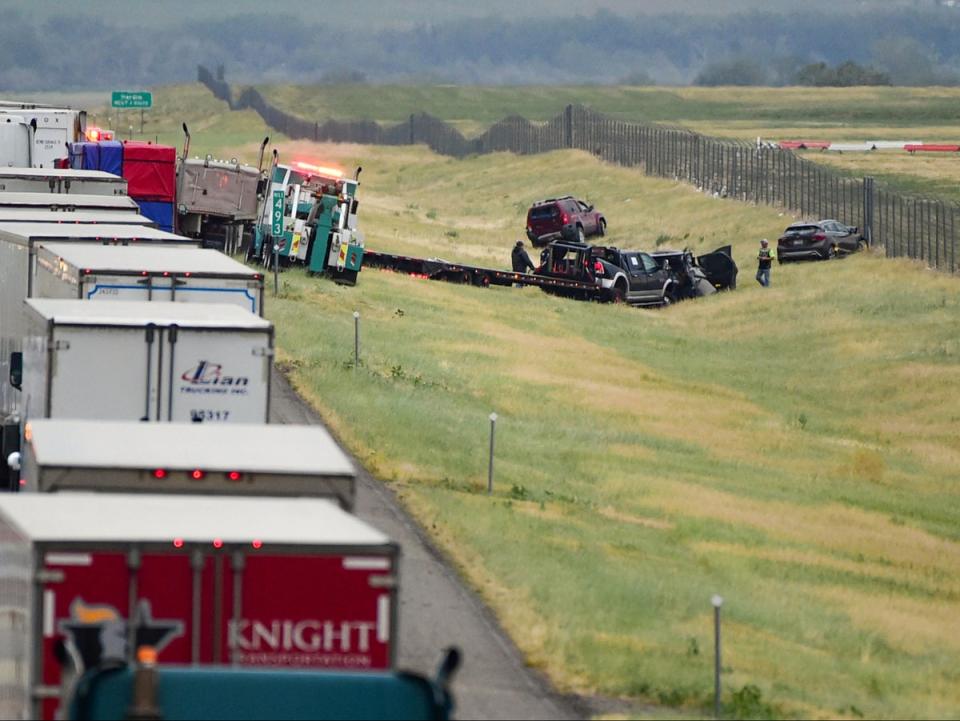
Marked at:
<point>563,218</point>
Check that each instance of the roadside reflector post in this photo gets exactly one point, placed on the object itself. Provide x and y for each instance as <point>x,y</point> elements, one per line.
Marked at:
<point>356,339</point>
<point>493,432</point>
<point>276,269</point>
<point>717,602</point>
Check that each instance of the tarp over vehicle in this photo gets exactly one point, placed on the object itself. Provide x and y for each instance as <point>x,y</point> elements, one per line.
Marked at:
<point>215,187</point>
<point>150,170</point>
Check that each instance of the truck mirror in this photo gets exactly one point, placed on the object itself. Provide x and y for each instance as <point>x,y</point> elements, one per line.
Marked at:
<point>261,187</point>
<point>16,369</point>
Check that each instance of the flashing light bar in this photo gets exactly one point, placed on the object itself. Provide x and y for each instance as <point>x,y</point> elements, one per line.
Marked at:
<point>95,134</point>
<point>319,169</point>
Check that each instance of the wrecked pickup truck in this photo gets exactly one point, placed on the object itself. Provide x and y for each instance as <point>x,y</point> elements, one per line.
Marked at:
<point>636,277</point>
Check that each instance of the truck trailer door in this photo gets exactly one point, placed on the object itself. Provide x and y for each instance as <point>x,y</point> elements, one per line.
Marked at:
<point>85,599</point>
<point>105,373</point>
<point>216,376</point>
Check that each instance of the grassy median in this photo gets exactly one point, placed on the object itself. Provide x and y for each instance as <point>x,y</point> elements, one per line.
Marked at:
<point>793,449</point>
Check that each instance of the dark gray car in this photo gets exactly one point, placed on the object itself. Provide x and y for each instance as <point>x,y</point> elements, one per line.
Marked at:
<point>820,240</point>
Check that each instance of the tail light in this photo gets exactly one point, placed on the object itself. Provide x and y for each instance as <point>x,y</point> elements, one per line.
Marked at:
<point>820,236</point>
<point>564,218</point>
<point>598,268</point>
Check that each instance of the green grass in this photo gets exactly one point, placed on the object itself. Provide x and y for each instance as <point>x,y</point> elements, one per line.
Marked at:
<point>793,449</point>
<point>851,108</point>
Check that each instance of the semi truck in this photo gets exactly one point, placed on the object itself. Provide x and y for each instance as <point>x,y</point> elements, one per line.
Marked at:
<point>206,458</point>
<point>137,360</point>
<point>52,128</point>
<point>217,198</point>
<point>61,180</point>
<point>89,578</point>
<point>144,272</point>
<point>18,248</point>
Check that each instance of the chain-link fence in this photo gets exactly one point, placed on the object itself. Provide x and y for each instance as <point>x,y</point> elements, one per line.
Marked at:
<point>904,225</point>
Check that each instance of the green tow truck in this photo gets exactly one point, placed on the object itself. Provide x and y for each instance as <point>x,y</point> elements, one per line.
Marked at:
<point>309,217</point>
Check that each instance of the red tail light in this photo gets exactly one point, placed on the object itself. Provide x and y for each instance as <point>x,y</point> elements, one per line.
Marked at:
<point>598,267</point>
<point>234,475</point>
<point>564,218</point>
<point>160,473</point>
<point>197,474</point>
<point>820,236</point>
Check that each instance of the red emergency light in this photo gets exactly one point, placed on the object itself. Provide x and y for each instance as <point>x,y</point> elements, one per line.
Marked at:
<point>319,169</point>
<point>217,543</point>
<point>160,473</point>
<point>257,543</point>
<point>178,543</point>
<point>94,134</point>
<point>234,475</point>
<point>197,474</point>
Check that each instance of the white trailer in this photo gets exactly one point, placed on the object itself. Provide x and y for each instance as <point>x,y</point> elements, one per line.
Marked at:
<point>16,141</point>
<point>61,180</point>
<point>206,458</point>
<point>252,582</point>
<point>69,202</point>
<point>53,128</point>
<point>18,244</point>
<point>136,360</point>
<point>83,217</point>
<point>145,272</point>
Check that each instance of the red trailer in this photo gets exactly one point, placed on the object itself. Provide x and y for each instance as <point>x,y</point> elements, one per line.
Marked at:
<point>89,578</point>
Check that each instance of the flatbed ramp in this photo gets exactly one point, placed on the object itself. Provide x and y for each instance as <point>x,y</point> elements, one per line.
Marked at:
<point>438,269</point>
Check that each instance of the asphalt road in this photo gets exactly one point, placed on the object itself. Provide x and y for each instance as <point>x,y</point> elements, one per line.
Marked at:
<point>437,610</point>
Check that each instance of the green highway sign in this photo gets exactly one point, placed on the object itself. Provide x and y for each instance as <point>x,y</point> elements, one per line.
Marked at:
<point>124,99</point>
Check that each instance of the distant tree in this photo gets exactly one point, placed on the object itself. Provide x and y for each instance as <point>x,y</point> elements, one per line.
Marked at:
<point>738,71</point>
<point>846,74</point>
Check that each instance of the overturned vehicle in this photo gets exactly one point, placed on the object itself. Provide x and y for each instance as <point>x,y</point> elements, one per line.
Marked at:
<point>635,277</point>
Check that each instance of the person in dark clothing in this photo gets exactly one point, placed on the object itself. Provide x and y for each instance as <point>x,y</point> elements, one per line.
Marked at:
<point>764,262</point>
<point>521,261</point>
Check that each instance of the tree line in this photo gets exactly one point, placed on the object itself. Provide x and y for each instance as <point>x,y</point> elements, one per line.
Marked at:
<point>900,45</point>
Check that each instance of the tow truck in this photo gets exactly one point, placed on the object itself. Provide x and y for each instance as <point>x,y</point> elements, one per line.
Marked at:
<point>309,217</point>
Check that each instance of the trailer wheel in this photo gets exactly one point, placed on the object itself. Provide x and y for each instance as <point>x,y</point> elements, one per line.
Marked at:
<point>465,278</point>
<point>485,280</point>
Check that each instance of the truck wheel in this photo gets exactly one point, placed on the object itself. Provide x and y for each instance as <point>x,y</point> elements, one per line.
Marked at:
<point>619,294</point>
<point>602,228</point>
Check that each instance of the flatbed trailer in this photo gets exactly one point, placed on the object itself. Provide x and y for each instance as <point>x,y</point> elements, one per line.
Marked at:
<point>437,269</point>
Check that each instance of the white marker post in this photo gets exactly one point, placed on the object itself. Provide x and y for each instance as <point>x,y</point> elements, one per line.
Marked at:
<point>356,339</point>
<point>717,602</point>
<point>493,430</point>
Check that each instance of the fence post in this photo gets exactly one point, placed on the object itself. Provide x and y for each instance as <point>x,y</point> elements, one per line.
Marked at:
<point>868,208</point>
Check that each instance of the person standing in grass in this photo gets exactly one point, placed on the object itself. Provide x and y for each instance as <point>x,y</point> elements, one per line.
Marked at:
<point>764,262</point>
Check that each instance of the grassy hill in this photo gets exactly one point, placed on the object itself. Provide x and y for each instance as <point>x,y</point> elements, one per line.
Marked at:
<point>793,449</point>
